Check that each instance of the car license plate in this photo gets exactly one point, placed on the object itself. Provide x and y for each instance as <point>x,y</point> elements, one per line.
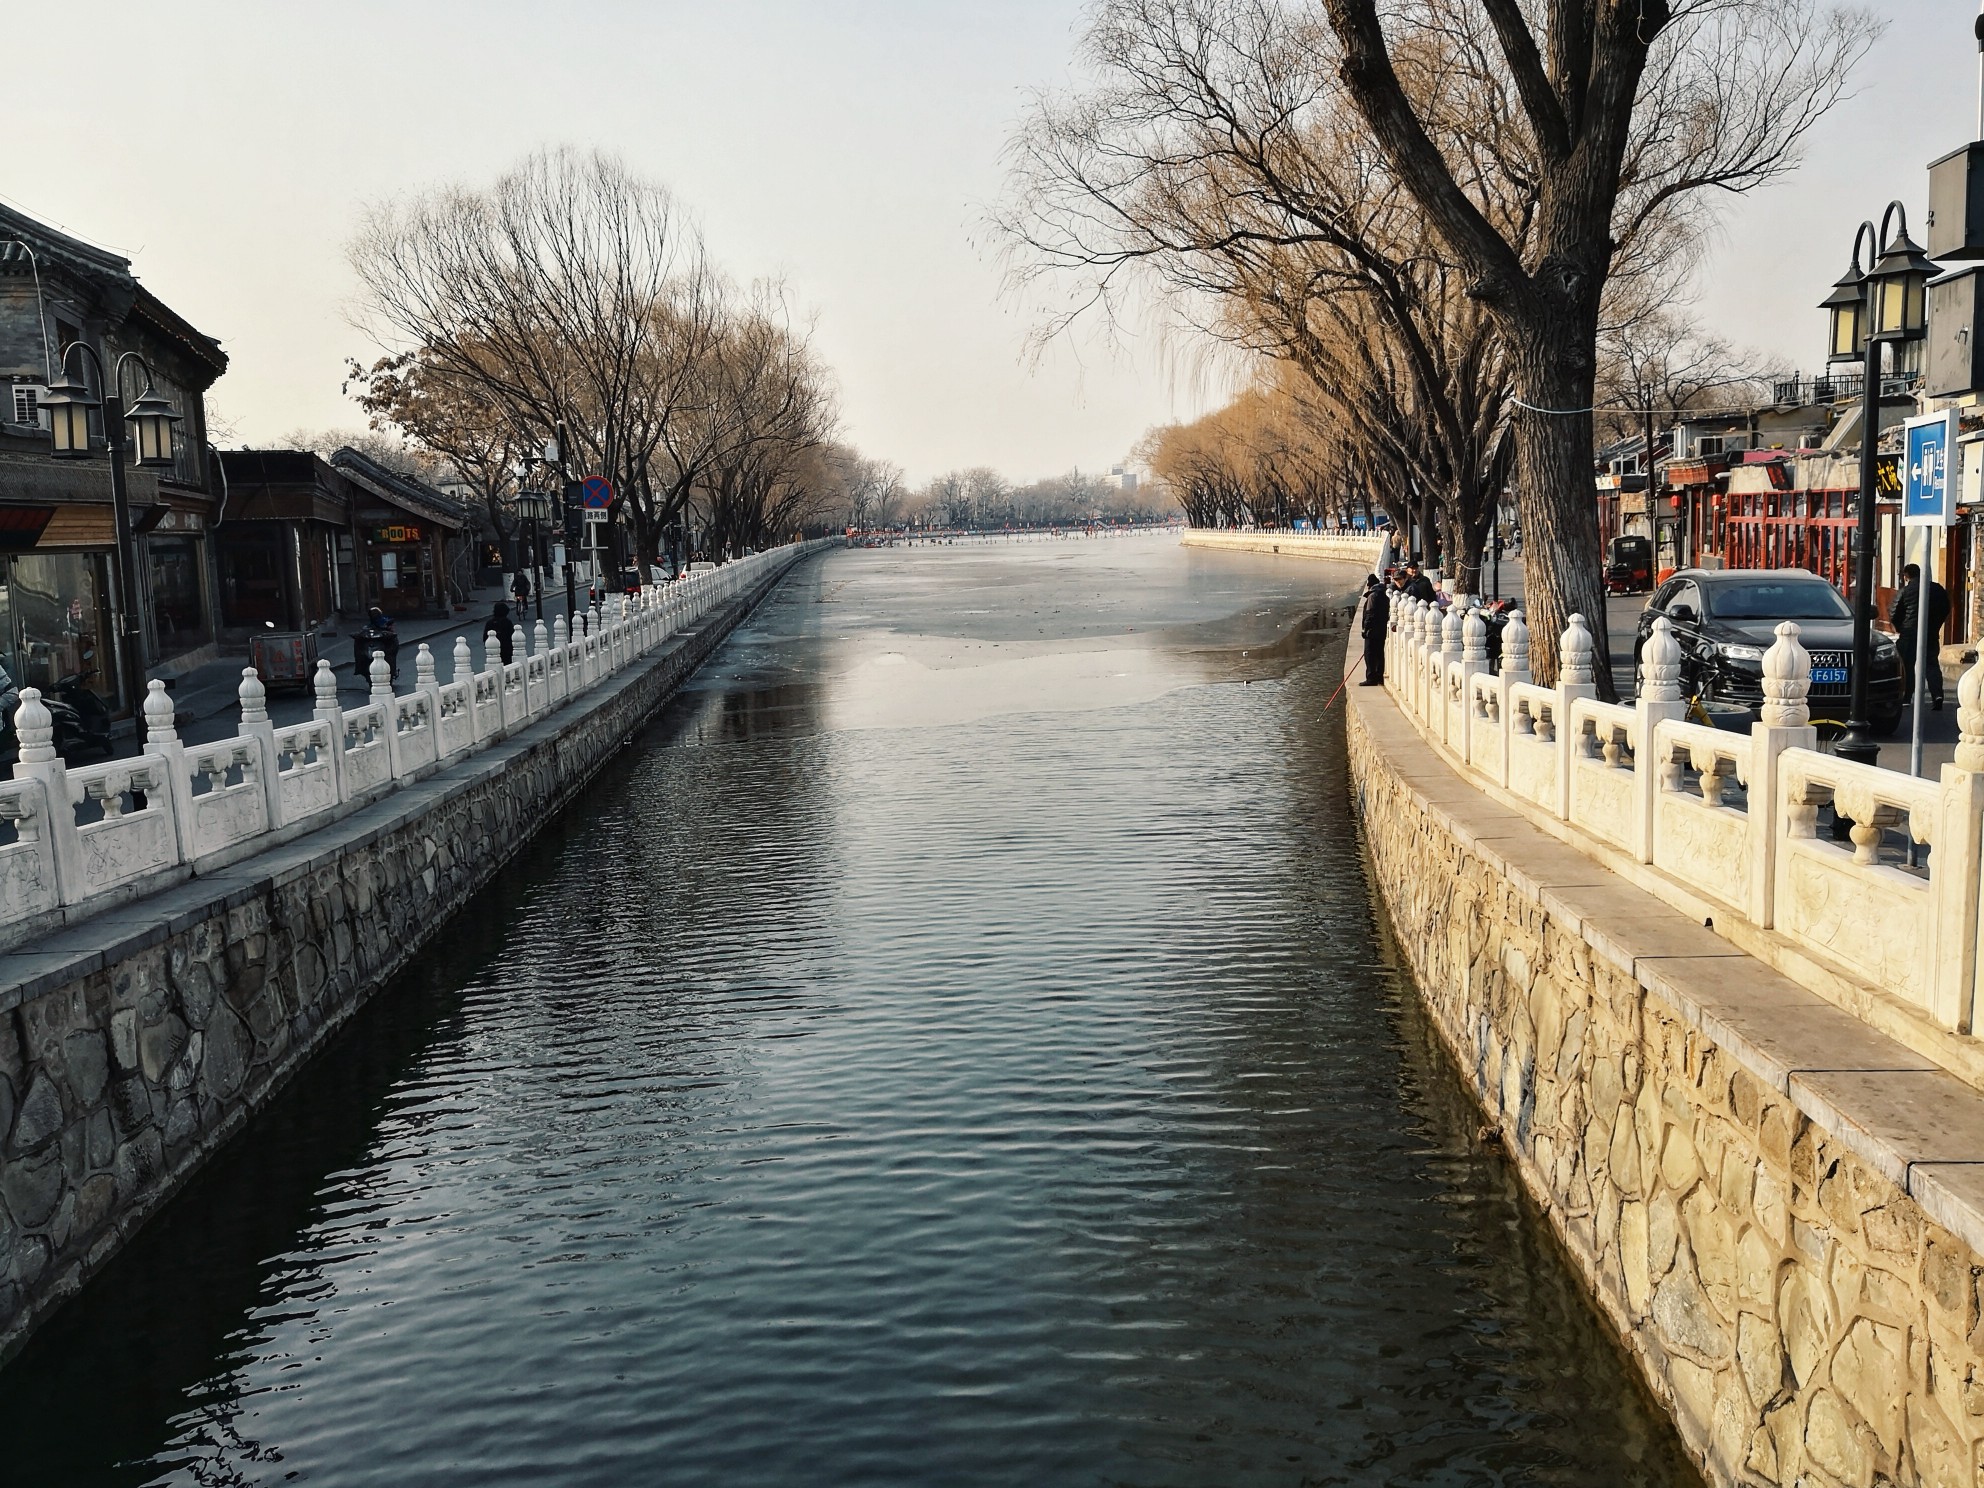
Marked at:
<point>1822,676</point>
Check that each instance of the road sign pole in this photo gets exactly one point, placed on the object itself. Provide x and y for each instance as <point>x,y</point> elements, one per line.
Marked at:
<point>1922,611</point>
<point>1930,456</point>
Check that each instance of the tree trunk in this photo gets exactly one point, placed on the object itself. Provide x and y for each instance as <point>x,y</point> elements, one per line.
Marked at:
<point>1563,573</point>
<point>1469,521</point>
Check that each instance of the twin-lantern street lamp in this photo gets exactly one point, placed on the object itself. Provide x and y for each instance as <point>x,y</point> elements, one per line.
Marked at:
<point>68,402</point>
<point>535,508</point>
<point>1884,302</point>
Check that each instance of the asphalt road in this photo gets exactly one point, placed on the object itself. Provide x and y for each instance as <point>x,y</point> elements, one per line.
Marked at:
<point>1621,620</point>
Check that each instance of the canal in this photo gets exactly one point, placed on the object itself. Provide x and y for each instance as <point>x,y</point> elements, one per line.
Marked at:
<point>954,1046</point>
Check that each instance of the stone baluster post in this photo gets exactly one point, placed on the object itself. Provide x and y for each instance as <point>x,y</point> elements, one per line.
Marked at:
<point>561,643</point>
<point>1514,670</point>
<point>34,728</point>
<point>1429,660</point>
<point>162,742</point>
<point>520,654</point>
<point>255,725</point>
<point>475,675</point>
<point>1574,681</point>
<point>1473,662</point>
<point>1957,862</point>
<point>427,682</point>
<point>1409,660</point>
<point>381,697</point>
<point>1515,648</point>
<point>464,671</point>
<point>1785,722</point>
<point>1659,702</point>
<point>381,677</point>
<point>1393,629</point>
<point>330,712</point>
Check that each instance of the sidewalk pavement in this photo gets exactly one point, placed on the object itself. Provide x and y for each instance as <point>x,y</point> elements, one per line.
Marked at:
<point>207,699</point>
<point>1621,623</point>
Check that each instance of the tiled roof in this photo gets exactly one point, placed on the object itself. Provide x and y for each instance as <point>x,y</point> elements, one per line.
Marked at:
<point>403,491</point>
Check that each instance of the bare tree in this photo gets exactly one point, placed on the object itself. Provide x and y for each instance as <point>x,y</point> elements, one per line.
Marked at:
<point>1626,114</point>
<point>1495,161</point>
<point>382,446</point>
<point>1660,365</point>
<point>575,296</point>
<point>410,394</point>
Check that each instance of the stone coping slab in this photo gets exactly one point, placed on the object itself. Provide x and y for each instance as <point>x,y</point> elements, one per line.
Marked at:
<point>1898,1110</point>
<point>85,946</point>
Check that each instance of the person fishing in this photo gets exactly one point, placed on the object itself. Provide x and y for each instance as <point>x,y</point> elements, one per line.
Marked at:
<point>1377,620</point>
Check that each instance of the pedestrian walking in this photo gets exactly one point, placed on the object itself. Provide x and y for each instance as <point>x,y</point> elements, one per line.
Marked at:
<point>1902,615</point>
<point>1377,619</point>
<point>499,625</point>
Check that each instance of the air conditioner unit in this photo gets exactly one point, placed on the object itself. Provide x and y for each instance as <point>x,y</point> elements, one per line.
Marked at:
<point>25,405</point>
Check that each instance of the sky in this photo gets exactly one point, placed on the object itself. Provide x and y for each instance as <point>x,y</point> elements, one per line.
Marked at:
<point>852,147</point>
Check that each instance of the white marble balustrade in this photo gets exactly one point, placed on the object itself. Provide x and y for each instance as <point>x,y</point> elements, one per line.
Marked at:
<point>96,835</point>
<point>1723,819</point>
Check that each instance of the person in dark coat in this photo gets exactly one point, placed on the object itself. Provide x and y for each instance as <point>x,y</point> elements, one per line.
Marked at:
<point>500,625</point>
<point>1418,585</point>
<point>1377,619</point>
<point>1902,616</point>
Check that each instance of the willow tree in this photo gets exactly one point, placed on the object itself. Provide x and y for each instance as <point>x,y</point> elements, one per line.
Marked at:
<point>1626,113</point>
<point>1231,144</point>
<point>1207,162</point>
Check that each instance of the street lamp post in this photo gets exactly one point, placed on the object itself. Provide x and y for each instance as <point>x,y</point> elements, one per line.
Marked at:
<point>1885,302</point>
<point>554,453</point>
<point>69,402</point>
<point>534,507</point>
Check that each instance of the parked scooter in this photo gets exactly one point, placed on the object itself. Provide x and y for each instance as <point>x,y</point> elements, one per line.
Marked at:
<point>91,715</point>
<point>377,637</point>
<point>74,734</point>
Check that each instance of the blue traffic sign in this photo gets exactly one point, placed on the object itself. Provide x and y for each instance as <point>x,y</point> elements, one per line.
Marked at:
<point>1928,460</point>
<point>596,493</point>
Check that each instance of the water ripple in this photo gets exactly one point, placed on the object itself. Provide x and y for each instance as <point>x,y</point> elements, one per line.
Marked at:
<point>1018,1093</point>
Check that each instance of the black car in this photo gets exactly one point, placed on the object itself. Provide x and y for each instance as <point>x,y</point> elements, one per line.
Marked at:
<point>1725,619</point>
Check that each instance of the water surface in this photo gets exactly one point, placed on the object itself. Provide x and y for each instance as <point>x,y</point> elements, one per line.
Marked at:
<point>954,1047</point>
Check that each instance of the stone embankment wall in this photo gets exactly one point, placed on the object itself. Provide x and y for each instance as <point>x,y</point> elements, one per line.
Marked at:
<point>1361,548</point>
<point>133,1045</point>
<point>1714,1146</point>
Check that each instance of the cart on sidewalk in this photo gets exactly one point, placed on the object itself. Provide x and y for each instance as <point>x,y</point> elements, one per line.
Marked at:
<point>284,658</point>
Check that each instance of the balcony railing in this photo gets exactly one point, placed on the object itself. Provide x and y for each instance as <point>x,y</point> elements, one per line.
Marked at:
<point>1800,392</point>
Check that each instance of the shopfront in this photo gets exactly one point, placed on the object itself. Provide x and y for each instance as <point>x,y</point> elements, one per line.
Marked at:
<point>57,596</point>
<point>400,567</point>
<point>174,563</point>
<point>403,529</point>
<point>283,552</point>
<point>55,619</point>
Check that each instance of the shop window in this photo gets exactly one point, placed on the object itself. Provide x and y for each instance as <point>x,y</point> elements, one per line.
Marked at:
<point>61,625</point>
<point>251,579</point>
<point>179,611</point>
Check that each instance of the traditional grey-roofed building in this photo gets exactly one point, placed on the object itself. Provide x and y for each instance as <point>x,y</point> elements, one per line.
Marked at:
<point>57,600</point>
<point>405,535</point>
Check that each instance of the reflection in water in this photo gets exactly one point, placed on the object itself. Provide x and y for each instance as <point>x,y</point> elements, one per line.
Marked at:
<point>1017,1093</point>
